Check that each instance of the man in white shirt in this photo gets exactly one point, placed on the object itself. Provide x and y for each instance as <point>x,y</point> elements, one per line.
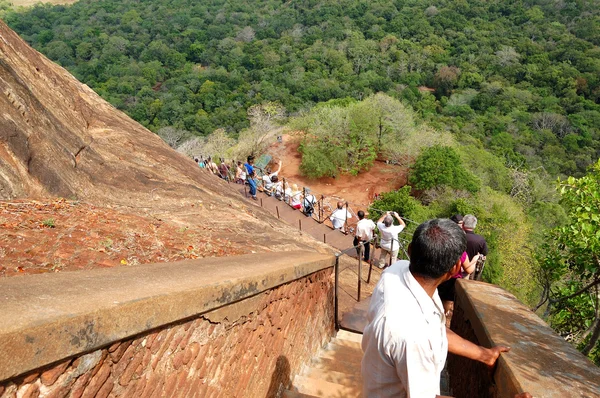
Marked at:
<point>389,237</point>
<point>339,216</point>
<point>364,233</point>
<point>406,341</point>
<point>270,180</point>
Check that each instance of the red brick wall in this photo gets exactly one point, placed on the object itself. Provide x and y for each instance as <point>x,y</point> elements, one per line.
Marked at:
<point>253,355</point>
<point>468,378</point>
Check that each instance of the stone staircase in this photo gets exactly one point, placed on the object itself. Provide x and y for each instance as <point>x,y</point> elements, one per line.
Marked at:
<point>334,372</point>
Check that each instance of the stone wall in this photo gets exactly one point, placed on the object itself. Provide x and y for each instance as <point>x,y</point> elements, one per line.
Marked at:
<point>540,362</point>
<point>249,347</point>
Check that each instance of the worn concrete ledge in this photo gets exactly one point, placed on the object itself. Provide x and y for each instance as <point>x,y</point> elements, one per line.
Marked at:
<point>540,361</point>
<point>49,317</point>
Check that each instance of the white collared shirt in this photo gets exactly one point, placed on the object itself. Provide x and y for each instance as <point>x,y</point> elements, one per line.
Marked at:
<point>404,344</point>
<point>389,236</point>
<point>339,217</point>
<point>364,229</point>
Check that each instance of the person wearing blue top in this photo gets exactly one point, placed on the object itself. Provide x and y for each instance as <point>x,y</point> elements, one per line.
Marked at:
<point>250,176</point>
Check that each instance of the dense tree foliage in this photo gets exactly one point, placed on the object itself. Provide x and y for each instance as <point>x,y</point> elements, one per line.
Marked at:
<point>347,136</point>
<point>570,271</point>
<point>440,166</point>
<point>521,76</point>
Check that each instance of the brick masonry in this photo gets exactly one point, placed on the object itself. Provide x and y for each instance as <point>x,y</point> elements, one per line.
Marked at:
<point>539,361</point>
<point>468,378</point>
<point>254,354</point>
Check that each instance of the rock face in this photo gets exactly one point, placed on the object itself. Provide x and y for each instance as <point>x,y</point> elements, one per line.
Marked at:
<point>58,138</point>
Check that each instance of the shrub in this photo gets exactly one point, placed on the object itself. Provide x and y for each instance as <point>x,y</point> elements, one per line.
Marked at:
<point>439,166</point>
<point>316,163</point>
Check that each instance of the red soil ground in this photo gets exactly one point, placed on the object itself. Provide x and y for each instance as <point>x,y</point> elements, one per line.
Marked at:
<point>358,190</point>
<point>39,237</point>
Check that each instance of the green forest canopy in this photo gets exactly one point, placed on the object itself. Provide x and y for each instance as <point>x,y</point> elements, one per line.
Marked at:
<point>521,77</point>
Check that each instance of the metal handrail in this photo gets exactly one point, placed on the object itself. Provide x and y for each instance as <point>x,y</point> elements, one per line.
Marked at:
<point>359,246</point>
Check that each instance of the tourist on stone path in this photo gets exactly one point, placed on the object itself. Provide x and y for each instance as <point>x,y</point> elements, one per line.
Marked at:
<point>270,179</point>
<point>339,216</point>
<point>223,170</point>
<point>476,244</point>
<point>201,163</point>
<point>296,197</point>
<point>308,203</point>
<point>468,265</point>
<point>287,192</point>
<point>279,190</point>
<point>447,289</point>
<point>250,174</point>
<point>212,166</point>
<point>240,173</point>
<point>364,233</point>
<point>405,342</point>
<point>390,245</point>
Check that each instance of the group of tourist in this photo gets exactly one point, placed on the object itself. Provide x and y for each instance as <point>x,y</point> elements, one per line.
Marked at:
<point>365,232</point>
<point>406,340</point>
<point>273,185</point>
<point>222,170</point>
<point>270,182</point>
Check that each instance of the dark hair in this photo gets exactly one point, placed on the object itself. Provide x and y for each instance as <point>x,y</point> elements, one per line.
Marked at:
<point>360,214</point>
<point>250,158</point>
<point>436,247</point>
<point>456,218</point>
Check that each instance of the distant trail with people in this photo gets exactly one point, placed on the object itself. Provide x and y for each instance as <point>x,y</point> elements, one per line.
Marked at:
<point>358,189</point>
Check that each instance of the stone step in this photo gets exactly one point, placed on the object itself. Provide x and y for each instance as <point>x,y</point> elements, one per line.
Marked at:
<point>325,389</point>
<point>345,335</point>
<point>347,343</point>
<point>333,376</point>
<point>342,353</point>
<point>296,394</point>
<point>327,364</point>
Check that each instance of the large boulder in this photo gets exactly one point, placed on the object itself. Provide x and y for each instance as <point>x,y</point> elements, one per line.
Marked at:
<point>58,138</point>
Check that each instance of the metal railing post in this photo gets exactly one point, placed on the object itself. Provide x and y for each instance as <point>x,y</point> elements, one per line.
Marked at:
<point>346,220</point>
<point>321,209</point>
<point>277,208</point>
<point>360,255</point>
<point>335,295</point>
<point>370,266</point>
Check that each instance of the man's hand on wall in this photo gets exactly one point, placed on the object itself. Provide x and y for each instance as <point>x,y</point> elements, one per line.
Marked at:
<point>459,346</point>
<point>489,356</point>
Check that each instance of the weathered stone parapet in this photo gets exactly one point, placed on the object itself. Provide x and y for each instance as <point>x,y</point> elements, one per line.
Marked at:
<point>539,362</point>
<point>238,325</point>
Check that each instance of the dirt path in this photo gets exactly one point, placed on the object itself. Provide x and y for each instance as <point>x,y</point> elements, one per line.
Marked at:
<point>358,190</point>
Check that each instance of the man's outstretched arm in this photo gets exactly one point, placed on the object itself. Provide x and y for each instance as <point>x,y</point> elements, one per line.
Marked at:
<point>459,346</point>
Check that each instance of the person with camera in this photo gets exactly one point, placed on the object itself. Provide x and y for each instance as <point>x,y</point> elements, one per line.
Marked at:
<point>389,243</point>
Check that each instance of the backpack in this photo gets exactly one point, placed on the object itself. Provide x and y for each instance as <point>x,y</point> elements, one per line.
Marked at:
<point>309,206</point>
